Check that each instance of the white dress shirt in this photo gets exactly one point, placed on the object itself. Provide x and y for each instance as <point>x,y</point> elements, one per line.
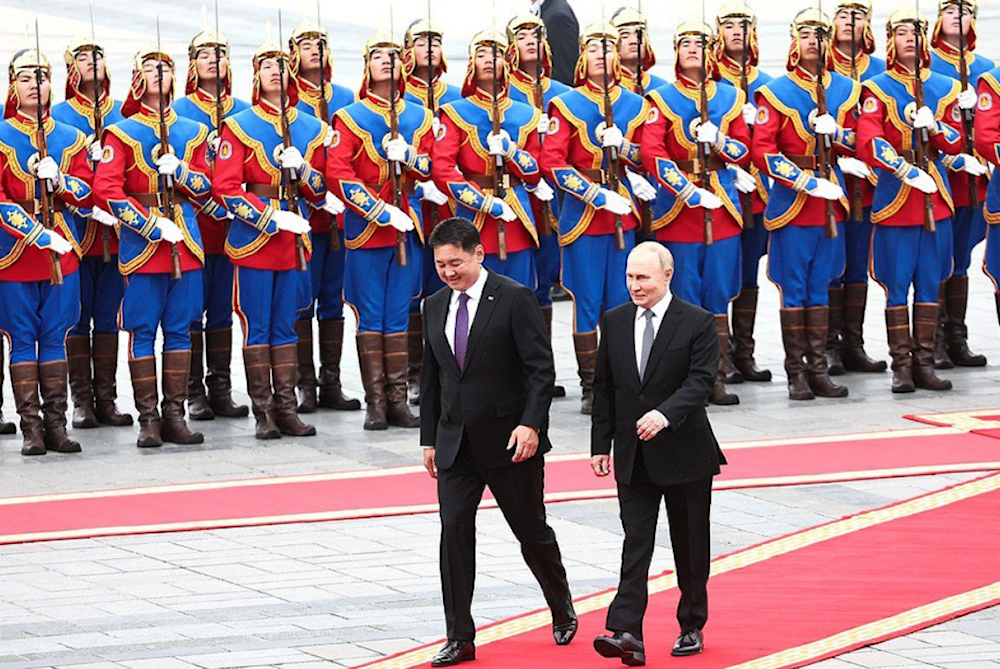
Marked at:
<point>536,8</point>
<point>475,293</point>
<point>659,309</point>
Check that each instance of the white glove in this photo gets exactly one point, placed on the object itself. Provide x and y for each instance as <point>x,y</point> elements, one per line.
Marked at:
<point>399,219</point>
<point>615,203</point>
<point>333,204</point>
<point>169,165</point>
<point>328,140</point>
<point>292,160</point>
<point>169,230</point>
<point>923,182</point>
<point>707,133</point>
<point>432,194</point>
<point>214,144</point>
<point>95,151</point>
<point>924,119</point>
<point>708,199</point>
<point>58,244</point>
<point>967,99</point>
<point>436,126</point>
<point>640,186</point>
<point>396,149</point>
<point>289,221</point>
<point>971,165</point>
<point>826,190</point>
<point>543,191</point>
<point>103,217</point>
<point>825,125</point>
<point>853,167</point>
<point>47,169</point>
<point>543,125</point>
<point>611,138</point>
<point>507,213</point>
<point>498,144</point>
<point>745,183</point>
<point>749,114</point>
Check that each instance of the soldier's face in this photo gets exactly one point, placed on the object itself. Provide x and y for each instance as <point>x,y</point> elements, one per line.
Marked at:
<point>595,58</point>
<point>150,70</point>
<point>380,63</point>
<point>85,65</point>
<point>905,38</point>
<point>485,61</point>
<point>205,63</point>
<point>809,44</point>
<point>628,44</point>
<point>527,45</point>
<point>951,26</point>
<point>420,50</point>
<point>732,36</point>
<point>689,52</point>
<point>27,89</point>
<point>458,268</point>
<point>842,25</point>
<point>270,76</point>
<point>309,54</point>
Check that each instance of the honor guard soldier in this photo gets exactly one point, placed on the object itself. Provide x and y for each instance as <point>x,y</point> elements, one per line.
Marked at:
<point>737,52</point>
<point>901,135</point>
<point>954,39</point>
<point>530,67</point>
<point>699,124</point>
<point>586,158</point>
<point>269,176</point>
<point>380,150</point>
<point>987,132</point>
<point>44,175</point>
<point>209,100</point>
<point>635,51</point>
<point>852,49</point>
<point>323,284</point>
<point>93,354</point>
<point>153,177</point>
<point>794,143</point>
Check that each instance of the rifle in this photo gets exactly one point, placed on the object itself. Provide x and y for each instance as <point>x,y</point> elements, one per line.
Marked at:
<point>45,188</point>
<point>857,203</point>
<point>324,114</point>
<point>963,74</point>
<point>923,137</point>
<point>289,179</point>
<point>704,151</point>
<point>165,182</point>
<point>499,173</point>
<point>611,152</point>
<point>395,169</point>
<point>746,199</point>
<point>825,144</point>
<point>98,119</point>
<point>545,225</point>
<point>431,102</point>
<point>645,208</point>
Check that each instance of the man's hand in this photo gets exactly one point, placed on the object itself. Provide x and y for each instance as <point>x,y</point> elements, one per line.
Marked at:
<point>526,440</point>
<point>650,425</point>
<point>601,464</point>
<point>429,462</point>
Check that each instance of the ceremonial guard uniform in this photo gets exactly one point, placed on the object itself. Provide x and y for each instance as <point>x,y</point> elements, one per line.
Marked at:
<point>131,183</point>
<point>633,45</point>
<point>674,141</point>
<point>36,311</point>
<point>212,328</point>
<point>268,238</point>
<point>93,354</point>
<point>737,33</point>
<point>381,228</point>
<point>802,256</point>
<point>573,158</point>
<point>848,293</point>
<point>988,146</point>
<point>912,208</point>
<point>323,285</point>
<point>951,345</point>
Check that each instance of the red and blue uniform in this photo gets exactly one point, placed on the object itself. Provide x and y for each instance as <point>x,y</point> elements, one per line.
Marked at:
<point>987,134</point>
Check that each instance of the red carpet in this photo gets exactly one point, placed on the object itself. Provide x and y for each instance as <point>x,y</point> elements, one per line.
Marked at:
<point>798,599</point>
<point>408,490</point>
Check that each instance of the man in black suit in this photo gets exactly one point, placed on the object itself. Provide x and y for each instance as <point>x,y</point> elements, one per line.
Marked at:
<point>564,35</point>
<point>486,387</point>
<point>655,367</point>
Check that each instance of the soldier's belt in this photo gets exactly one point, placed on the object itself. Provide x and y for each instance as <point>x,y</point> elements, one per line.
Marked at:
<point>602,175</point>
<point>150,200</point>
<point>488,181</point>
<point>803,162</point>
<point>408,187</point>
<point>910,156</point>
<point>695,166</point>
<point>35,206</point>
<point>265,191</point>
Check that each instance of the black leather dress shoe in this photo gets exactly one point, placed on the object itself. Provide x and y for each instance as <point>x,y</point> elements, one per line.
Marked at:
<point>689,643</point>
<point>622,645</point>
<point>453,653</point>
<point>564,625</point>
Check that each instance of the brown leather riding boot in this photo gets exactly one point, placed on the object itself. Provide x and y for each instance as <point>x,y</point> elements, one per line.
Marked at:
<point>585,344</point>
<point>331,346</point>
<point>143,372</point>
<point>940,346</point>
<point>925,322</point>
<point>956,333</point>
<point>284,363</point>
<point>415,357</point>
<point>372,363</point>
<point>176,374</point>
<point>257,362</point>
<point>557,390</point>
<point>218,376</point>
<point>744,317</point>
<point>81,383</point>
<point>52,378</point>
<point>306,382</point>
<point>793,336</point>
<point>105,354</point>
<point>816,365</point>
<point>720,395</point>
<point>852,351</point>
<point>197,397</point>
<point>897,329</point>
<point>24,378</point>
<point>394,349</point>
<point>834,330</point>
<point>6,427</point>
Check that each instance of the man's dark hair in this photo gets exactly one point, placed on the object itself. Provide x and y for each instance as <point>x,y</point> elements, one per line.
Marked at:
<point>456,231</point>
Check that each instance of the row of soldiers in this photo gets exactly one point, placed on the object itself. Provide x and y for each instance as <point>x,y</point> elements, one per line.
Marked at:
<point>143,216</point>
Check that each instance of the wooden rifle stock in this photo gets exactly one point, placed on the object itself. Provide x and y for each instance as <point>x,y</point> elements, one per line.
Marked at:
<point>746,199</point>
<point>545,226</point>
<point>395,170</point>
<point>923,137</point>
<point>857,199</point>
<point>499,170</point>
<point>704,151</point>
<point>611,152</point>
<point>289,178</point>
<point>963,73</point>
<point>825,145</point>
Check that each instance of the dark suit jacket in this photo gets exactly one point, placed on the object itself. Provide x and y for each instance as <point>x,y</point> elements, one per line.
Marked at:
<point>508,379</point>
<point>564,38</point>
<point>679,376</point>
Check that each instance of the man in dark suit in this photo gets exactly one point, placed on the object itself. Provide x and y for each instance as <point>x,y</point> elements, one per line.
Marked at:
<point>655,367</point>
<point>564,35</point>
<point>486,387</point>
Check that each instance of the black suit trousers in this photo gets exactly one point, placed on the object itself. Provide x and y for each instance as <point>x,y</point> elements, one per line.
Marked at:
<point>688,506</point>
<point>518,490</point>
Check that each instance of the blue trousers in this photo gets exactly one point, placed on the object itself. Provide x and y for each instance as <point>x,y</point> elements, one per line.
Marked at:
<point>35,317</point>
<point>264,300</point>
<point>593,273</point>
<point>417,255</point>
<point>858,246</point>
<point>991,262</point>
<point>324,289</point>
<point>801,261</point>
<point>217,295</point>
<point>753,245</point>
<point>945,236</point>
<point>969,228</point>
<point>379,290</point>
<point>518,266</point>
<point>904,256</point>
<point>547,264</point>
<point>101,291</point>
<point>707,276</point>
<point>155,301</point>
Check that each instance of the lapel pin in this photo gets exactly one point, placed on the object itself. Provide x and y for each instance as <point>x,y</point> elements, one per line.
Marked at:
<point>489,297</point>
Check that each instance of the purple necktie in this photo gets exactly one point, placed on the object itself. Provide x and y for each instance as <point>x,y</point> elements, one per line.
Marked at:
<point>461,330</point>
